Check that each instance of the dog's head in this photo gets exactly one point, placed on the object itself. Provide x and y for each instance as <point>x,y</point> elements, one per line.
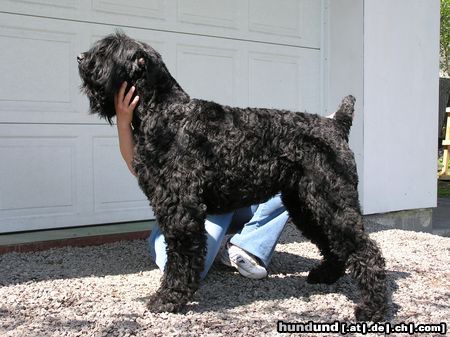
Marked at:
<point>111,61</point>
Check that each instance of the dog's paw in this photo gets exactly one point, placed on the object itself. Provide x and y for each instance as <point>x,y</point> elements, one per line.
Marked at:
<point>326,273</point>
<point>166,302</point>
<point>364,313</point>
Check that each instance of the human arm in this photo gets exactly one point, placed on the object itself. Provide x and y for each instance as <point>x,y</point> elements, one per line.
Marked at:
<point>124,111</point>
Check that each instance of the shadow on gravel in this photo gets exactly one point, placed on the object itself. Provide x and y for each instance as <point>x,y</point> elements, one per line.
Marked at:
<point>228,290</point>
<point>225,289</point>
<point>75,262</point>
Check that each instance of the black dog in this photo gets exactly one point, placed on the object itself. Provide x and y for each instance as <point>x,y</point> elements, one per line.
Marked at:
<point>194,157</point>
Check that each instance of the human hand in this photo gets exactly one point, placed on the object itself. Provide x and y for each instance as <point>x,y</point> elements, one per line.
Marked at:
<point>124,106</point>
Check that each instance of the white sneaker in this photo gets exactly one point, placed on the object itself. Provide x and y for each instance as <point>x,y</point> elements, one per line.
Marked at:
<point>245,263</point>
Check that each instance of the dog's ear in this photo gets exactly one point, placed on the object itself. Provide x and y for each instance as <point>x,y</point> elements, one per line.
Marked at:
<point>157,75</point>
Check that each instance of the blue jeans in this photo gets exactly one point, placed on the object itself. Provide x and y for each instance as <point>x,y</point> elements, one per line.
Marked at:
<point>261,224</point>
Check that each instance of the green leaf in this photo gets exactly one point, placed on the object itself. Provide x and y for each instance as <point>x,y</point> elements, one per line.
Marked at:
<point>445,36</point>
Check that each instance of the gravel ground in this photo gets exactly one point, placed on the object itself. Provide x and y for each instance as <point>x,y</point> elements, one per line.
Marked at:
<point>102,291</point>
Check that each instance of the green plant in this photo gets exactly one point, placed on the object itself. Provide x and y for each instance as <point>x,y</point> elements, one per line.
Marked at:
<point>445,37</point>
<point>444,189</point>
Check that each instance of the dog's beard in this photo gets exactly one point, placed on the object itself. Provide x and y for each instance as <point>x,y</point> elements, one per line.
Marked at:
<point>100,103</point>
<point>97,85</point>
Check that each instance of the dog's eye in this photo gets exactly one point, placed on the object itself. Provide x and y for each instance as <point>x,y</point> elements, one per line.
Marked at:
<point>141,61</point>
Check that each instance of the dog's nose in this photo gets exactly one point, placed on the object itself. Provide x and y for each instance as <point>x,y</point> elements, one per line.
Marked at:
<point>80,58</point>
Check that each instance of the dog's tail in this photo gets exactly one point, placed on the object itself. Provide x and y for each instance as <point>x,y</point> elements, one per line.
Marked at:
<point>344,115</point>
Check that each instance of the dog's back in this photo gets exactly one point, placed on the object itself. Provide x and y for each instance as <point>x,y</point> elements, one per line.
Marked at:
<point>251,154</point>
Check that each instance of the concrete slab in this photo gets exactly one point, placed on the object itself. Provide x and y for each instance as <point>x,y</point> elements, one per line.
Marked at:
<point>441,216</point>
<point>76,233</point>
<point>431,220</point>
<point>419,220</point>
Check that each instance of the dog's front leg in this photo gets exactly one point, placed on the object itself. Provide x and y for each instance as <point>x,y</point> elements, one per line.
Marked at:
<point>184,233</point>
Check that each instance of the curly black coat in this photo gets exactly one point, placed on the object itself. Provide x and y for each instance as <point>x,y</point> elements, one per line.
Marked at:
<point>194,157</point>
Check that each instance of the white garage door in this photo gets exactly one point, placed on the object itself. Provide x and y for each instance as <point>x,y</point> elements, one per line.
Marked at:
<point>61,167</point>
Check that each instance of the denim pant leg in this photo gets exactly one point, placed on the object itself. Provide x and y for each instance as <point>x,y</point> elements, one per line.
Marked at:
<point>260,235</point>
<point>216,227</point>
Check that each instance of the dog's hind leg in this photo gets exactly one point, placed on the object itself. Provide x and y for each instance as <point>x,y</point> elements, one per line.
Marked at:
<point>182,224</point>
<point>334,208</point>
<point>365,264</point>
<point>331,268</point>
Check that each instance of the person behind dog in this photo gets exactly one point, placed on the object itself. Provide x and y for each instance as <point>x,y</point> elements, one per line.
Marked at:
<point>250,250</point>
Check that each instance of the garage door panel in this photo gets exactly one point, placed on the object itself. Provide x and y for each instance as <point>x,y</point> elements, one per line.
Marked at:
<point>43,5</point>
<point>42,171</point>
<point>35,186</point>
<point>290,22</point>
<point>65,175</point>
<point>284,78</point>
<point>269,17</point>
<point>245,74</point>
<point>274,71</point>
<point>209,73</point>
<point>51,8</point>
<point>39,71</point>
<point>114,189</point>
<point>154,9</point>
<point>218,13</point>
<point>36,66</point>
